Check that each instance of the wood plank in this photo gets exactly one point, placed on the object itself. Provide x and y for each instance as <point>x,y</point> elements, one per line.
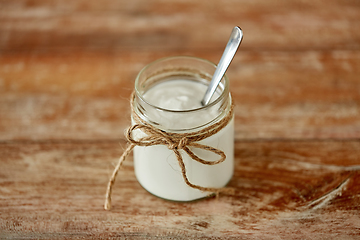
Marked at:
<point>288,189</point>
<point>305,94</point>
<point>285,188</point>
<point>48,26</point>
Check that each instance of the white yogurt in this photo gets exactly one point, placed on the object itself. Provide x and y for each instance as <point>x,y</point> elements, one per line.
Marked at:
<point>176,95</point>
<point>157,168</point>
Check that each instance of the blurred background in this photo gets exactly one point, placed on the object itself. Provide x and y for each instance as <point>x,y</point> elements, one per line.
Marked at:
<point>67,68</point>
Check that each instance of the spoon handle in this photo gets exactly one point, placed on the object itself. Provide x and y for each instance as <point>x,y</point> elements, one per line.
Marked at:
<point>228,54</point>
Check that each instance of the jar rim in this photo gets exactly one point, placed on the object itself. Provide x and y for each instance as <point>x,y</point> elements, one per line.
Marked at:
<point>221,96</point>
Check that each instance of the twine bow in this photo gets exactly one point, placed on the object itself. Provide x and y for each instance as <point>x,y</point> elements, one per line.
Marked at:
<point>175,142</point>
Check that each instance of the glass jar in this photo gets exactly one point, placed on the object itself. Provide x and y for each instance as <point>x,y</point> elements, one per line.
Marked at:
<point>156,167</point>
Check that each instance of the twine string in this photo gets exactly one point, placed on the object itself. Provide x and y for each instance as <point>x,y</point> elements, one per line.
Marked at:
<point>174,142</point>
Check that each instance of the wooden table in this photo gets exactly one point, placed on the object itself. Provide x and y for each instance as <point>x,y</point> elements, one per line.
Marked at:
<point>67,69</point>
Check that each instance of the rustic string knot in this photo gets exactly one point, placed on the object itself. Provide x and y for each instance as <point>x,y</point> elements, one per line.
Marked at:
<point>178,145</point>
<point>150,136</point>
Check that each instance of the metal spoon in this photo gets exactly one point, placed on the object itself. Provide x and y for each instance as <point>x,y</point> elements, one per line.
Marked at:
<point>228,54</point>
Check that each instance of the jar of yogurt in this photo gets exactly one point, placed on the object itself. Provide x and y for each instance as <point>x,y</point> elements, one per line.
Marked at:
<point>168,95</point>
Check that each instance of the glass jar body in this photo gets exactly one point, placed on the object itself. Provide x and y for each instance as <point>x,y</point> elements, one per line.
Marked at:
<point>157,167</point>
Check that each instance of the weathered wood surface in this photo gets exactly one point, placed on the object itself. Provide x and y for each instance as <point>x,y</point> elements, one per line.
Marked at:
<point>67,69</point>
<point>278,95</point>
<point>284,189</point>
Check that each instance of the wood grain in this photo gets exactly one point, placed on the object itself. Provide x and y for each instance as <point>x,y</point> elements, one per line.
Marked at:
<point>168,25</point>
<point>67,69</point>
<point>286,188</point>
<point>48,97</point>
